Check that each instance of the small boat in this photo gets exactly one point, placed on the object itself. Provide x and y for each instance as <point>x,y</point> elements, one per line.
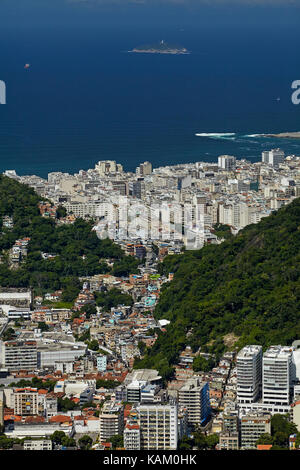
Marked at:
<point>26,66</point>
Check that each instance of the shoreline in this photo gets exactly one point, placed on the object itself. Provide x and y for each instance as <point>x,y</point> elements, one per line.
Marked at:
<point>284,135</point>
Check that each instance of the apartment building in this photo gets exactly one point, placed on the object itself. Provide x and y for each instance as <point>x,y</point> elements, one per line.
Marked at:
<point>26,401</point>
<point>228,441</point>
<point>158,426</point>
<point>253,425</point>
<point>111,420</point>
<point>194,396</point>
<point>249,370</point>
<point>18,355</point>
<point>132,437</point>
<point>278,375</point>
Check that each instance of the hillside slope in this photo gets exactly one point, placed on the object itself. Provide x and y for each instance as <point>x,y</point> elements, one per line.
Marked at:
<point>247,286</point>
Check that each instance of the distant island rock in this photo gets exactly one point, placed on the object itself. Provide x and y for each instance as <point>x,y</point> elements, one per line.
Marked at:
<point>160,48</point>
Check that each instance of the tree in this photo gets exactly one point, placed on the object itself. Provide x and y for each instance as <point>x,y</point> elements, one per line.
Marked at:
<point>57,437</point>
<point>200,440</point>
<point>93,345</point>
<point>117,441</point>
<point>85,442</point>
<point>68,442</point>
<point>185,443</point>
<point>212,440</point>
<point>265,439</point>
<point>43,326</point>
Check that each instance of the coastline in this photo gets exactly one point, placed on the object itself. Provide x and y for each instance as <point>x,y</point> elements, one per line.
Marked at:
<point>284,135</point>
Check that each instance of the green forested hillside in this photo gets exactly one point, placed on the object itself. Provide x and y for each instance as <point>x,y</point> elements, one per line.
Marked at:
<point>78,250</point>
<point>248,287</point>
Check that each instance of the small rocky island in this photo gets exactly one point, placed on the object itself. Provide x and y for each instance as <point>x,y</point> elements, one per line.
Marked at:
<point>160,48</point>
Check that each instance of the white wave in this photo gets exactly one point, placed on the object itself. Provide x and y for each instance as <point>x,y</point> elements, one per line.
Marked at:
<point>215,134</point>
<point>254,135</point>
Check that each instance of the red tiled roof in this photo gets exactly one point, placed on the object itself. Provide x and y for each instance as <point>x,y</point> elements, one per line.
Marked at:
<point>60,419</point>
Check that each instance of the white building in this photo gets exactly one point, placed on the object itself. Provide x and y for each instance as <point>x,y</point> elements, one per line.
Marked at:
<point>158,426</point>
<point>226,162</point>
<point>249,373</point>
<point>278,375</point>
<point>273,157</point>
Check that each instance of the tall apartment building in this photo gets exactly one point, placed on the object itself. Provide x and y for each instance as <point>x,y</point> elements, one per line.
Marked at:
<point>132,437</point>
<point>26,401</point>
<point>249,370</point>
<point>105,167</point>
<point>144,169</point>
<point>278,375</point>
<point>158,426</point>
<point>194,396</point>
<point>273,157</point>
<point>253,425</point>
<point>226,162</point>
<point>1,408</point>
<point>111,420</point>
<point>17,355</point>
<point>228,441</point>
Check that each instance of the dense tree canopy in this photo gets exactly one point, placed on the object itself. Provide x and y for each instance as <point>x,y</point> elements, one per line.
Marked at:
<point>248,286</point>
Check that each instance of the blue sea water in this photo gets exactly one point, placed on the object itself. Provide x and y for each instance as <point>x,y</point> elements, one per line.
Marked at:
<point>85,98</point>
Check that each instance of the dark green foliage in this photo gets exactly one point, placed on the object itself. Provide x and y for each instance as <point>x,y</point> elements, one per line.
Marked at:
<point>112,298</point>
<point>35,382</point>
<point>127,265</point>
<point>248,285</point>
<point>202,364</point>
<point>85,442</point>
<point>222,231</point>
<point>66,404</point>
<point>117,441</point>
<point>100,383</point>
<point>43,326</point>
<point>79,252</point>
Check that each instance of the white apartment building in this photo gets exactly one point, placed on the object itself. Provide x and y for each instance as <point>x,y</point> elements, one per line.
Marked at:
<point>38,444</point>
<point>249,370</point>
<point>273,157</point>
<point>226,162</point>
<point>111,420</point>
<point>132,437</point>
<point>278,375</point>
<point>158,426</point>
<point>16,355</point>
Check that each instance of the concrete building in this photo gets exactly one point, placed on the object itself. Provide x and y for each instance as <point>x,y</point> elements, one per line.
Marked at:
<point>26,401</point>
<point>132,437</point>
<point>228,441</point>
<point>253,425</point>
<point>273,157</point>
<point>158,426</point>
<point>38,444</point>
<point>194,396</point>
<point>226,162</point>
<point>101,363</point>
<point>111,420</point>
<point>1,408</point>
<point>249,370</point>
<point>21,298</point>
<point>16,355</point>
<point>278,375</point>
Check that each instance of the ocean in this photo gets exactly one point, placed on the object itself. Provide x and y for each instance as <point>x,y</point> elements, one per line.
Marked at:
<point>84,98</point>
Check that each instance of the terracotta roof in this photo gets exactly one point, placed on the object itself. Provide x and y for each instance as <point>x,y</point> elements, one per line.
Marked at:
<point>264,446</point>
<point>60,419</point>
